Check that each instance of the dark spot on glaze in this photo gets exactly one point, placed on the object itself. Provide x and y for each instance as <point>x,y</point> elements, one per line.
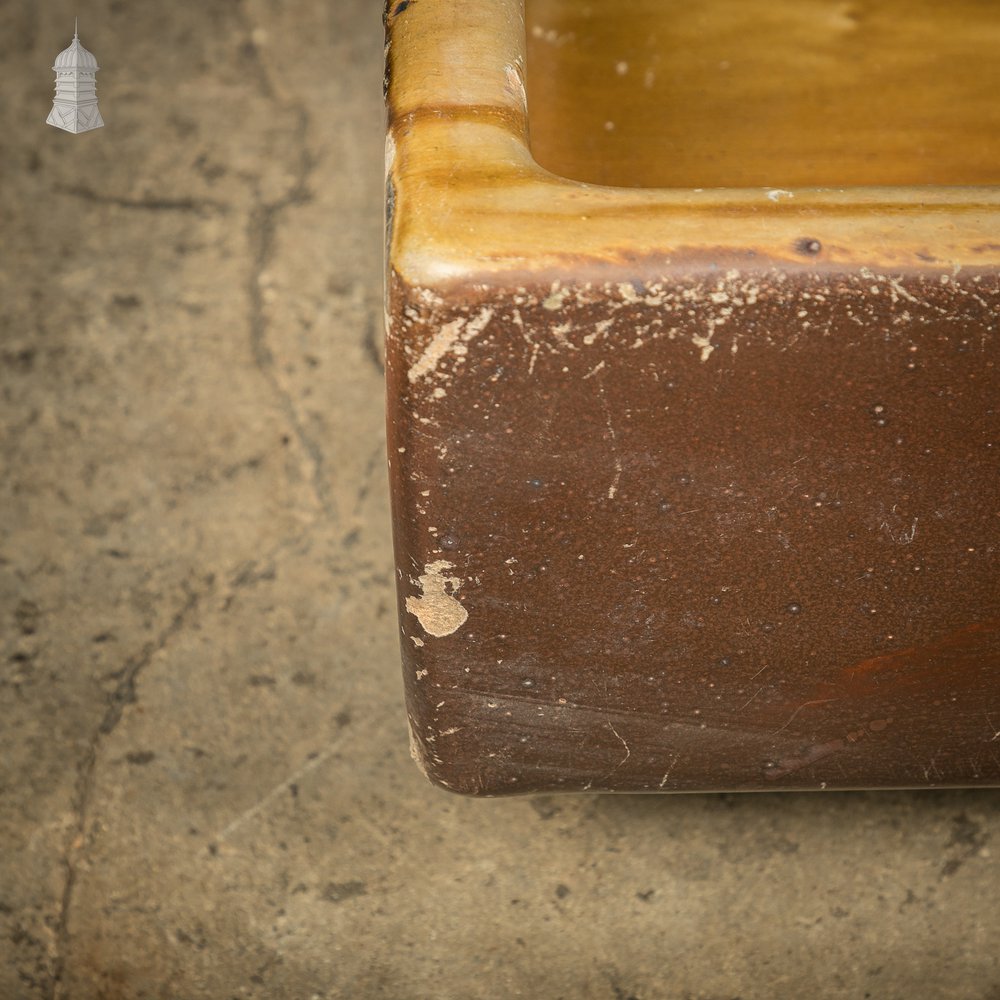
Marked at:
<point>140,757</point>
<point>562,891</point>
<point>400,7</point>
<point>808,246</point>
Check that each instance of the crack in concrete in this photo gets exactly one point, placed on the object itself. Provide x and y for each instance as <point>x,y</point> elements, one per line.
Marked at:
<point>263,222</point>
<point>268,797</point>
<point>369,343</point>
<point>264,568</point>
<point>123,694</point>
<point>262,231</point>
<point>200,206</point>
<point>375,461</point>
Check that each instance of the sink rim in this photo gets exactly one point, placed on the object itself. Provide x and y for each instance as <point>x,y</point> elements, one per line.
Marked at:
<point>466,197</point>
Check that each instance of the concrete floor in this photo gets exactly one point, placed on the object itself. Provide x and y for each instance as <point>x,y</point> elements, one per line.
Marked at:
<point>205,787</point>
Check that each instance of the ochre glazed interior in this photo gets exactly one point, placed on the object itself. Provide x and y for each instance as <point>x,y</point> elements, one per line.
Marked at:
<point>765,93</point>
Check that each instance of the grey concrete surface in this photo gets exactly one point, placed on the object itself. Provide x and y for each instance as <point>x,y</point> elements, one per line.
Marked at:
<point>205,787</point>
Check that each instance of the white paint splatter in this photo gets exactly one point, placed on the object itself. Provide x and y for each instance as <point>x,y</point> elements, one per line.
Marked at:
<point>437,609</point>
<point>450,339</point>
<point>554,300</point>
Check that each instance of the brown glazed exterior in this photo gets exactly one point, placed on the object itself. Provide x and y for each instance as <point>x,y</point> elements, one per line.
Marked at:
<point>691,490</point>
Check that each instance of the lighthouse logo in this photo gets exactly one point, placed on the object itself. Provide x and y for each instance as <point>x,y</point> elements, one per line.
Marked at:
<point>75,106</point>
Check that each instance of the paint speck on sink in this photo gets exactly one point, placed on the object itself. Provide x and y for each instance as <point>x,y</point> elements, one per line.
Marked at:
<point>437,609</point>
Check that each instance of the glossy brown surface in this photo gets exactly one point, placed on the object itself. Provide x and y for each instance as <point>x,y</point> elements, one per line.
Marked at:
<point>775,93</point>
<point>691,490</point>
<point>774,566</point>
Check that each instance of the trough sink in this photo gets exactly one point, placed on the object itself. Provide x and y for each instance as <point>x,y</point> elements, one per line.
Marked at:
<point>691,349</point>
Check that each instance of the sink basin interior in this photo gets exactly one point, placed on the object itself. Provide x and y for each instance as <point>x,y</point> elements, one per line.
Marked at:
<point>765,93</point>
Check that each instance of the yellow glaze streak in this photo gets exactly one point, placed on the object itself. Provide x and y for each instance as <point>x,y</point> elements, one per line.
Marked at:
<point>470,200</point>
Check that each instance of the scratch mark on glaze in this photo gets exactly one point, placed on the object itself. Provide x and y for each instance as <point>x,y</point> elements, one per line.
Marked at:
<point>819,751</point>
<point>791,718</point>
<point>747,703</point>
<point>628,751</point>
<point>515,85</point>
<point>903,536</point>
<point>992,725</point>
<point>811,756</point>
<point>666,777</point>
<point>613,488</point>
<point>437,609</point>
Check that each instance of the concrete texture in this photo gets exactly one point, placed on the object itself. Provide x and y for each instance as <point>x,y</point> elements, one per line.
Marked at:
<point>205,785</point>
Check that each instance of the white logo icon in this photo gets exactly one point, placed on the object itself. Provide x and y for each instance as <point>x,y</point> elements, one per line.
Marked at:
<point>75,106</point>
